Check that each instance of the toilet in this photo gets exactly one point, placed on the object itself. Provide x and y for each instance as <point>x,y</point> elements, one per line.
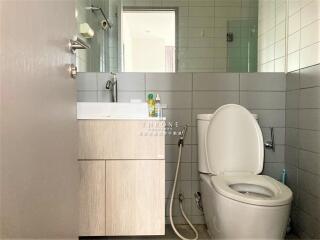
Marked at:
<point>237,201</point>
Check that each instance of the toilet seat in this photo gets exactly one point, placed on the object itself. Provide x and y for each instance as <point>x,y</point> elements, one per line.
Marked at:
<point>233,142</point>
<point>252,189</point>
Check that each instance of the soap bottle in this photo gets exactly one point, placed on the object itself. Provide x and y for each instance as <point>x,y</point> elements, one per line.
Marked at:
<point>158,109</point>
<point>151,105</point>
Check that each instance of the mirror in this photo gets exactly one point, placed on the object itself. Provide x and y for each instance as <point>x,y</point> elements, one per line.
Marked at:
<point>180,35</point>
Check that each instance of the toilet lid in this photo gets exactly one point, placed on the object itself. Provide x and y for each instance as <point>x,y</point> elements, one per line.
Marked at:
<point>234,142</point>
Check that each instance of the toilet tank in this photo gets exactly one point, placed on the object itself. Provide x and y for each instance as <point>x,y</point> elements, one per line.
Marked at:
<point>203,121</point>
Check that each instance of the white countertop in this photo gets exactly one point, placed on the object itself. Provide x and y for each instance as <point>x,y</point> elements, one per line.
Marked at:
<point>119,118</point>
<point>114,111</point>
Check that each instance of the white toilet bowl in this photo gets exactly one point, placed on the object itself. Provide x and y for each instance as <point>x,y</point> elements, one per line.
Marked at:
<point>263,213</point>
<point>237,202</point>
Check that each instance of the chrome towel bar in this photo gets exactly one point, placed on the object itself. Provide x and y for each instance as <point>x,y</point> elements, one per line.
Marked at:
<point>77,43</point>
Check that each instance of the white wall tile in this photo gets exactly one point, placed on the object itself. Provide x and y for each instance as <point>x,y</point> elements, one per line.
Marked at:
<point>268,67</point>
<point>294,42</point>
<point>310,55</point>
<point>280,65</point>
<point>280,49</point>
<point>280,31</point>
<point>200,11</point>
<point>310,34</point>
<point>294,61</point>
<point>294,6</point>
<point>294,23</point>
<point>280,10</point>
<point>229,12</point>
<point>310,13</point>
<point>303,39</point>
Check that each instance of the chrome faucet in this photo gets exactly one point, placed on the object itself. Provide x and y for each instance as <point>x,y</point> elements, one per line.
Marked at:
<point>112,85</point>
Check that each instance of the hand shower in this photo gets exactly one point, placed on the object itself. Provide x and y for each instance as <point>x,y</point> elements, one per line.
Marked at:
<point>182,135</point>
<point>180,144</point>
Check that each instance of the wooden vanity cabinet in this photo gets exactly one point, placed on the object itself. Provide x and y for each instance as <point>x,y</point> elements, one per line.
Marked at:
<point>122,192</point>
<point>92,198</point>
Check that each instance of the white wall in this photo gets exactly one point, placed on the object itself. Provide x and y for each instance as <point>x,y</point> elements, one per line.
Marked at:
<point>289,33</point>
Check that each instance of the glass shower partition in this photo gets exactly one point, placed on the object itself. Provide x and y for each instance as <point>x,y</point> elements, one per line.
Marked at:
<point>242,38</point>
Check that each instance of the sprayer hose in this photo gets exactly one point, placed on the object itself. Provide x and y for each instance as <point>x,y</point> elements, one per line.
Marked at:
<point>180,204</point>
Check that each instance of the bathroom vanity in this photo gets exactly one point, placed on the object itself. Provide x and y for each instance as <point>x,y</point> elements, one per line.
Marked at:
<point>122,166</point>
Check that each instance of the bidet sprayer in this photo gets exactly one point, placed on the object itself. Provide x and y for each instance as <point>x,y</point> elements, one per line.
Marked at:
<point>183,134</point>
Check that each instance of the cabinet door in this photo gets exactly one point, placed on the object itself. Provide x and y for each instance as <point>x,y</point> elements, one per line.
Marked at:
<point>92,198</point>
<point>135,197</point>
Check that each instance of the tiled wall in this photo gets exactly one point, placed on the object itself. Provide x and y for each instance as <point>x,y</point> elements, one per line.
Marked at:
<point>304,34</point>
<point>201,33</point>
<point>271,35</point>
<point>188,94</point>
<point>292,38</point>
<point>302,156</point>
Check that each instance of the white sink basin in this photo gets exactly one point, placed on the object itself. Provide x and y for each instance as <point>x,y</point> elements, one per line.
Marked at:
<point>103,110</point>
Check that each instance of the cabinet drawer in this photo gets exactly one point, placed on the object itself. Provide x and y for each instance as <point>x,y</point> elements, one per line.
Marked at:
<point>121,139</point>
<point>135,197</point>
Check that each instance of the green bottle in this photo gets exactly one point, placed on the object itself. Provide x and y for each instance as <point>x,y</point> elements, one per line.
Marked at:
<point>151,105</point>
